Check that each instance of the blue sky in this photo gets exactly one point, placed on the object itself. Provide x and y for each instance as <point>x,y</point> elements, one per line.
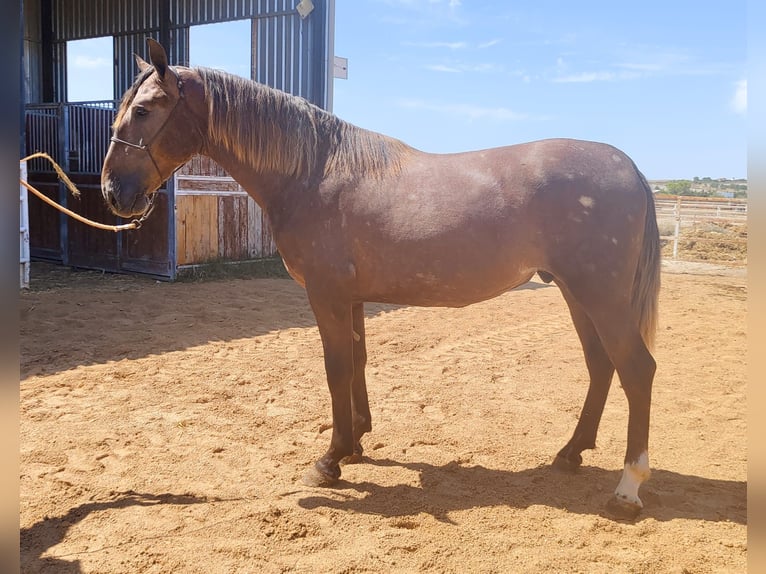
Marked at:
<point>664,81</point>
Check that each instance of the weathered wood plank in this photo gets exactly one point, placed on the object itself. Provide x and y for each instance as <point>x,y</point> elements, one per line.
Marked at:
<point>269,246</point>
<point>260,242</point>
<point>207,184</point>
<point>196,228</point>
<point>217,219</point>
<point>232,227</point>
<point>254,230</point>
<point>201,165</point>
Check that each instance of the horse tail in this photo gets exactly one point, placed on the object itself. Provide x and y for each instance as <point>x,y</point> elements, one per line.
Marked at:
<point>646,283</point>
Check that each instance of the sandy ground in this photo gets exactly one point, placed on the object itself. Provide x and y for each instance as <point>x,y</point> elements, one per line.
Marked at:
<point>165,428</point>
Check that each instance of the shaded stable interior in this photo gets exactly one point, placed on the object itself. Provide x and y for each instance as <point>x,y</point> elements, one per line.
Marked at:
<point>201,213</point>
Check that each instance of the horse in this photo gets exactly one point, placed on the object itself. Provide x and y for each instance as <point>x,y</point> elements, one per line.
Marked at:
<point>361,217</point>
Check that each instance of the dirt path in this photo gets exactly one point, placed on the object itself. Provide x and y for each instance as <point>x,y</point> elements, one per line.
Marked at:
<point>165,428</point>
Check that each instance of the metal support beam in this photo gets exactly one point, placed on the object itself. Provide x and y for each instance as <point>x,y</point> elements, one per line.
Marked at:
<point>47,62</point>
<point>164,8</point>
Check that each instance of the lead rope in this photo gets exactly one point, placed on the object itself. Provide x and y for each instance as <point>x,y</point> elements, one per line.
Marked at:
<point>135,224</point>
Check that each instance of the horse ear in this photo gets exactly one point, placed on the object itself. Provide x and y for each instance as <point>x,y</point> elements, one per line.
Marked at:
<point>141,63</point>
<point>157,56</point>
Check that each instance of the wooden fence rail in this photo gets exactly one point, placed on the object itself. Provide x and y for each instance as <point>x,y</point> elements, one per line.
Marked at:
<point>695,209</point>
<point>684,214</point>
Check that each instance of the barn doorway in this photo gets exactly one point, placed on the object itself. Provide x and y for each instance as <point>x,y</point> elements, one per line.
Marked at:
<point>90,69</point>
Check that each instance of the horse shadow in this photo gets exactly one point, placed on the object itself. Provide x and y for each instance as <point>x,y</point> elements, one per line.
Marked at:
<point>453,487</point>
<point>50,531</point>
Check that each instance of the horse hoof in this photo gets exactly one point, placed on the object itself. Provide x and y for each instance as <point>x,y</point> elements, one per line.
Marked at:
<point>622,509</point>
<point>565,464</point>
<point>316,476</point>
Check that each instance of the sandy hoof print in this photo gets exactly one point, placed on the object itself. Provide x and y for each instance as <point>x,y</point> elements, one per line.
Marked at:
<point>623,508</point>
<point>355,458</point>
<point>314,476</point>
<point>566,465</point>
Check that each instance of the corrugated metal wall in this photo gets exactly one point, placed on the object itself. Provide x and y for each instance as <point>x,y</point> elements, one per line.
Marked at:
<point>79,19</point>
<point>291,53</point>
<point>287,48</point>
<point>287,51</point>
<point>32,51</point>
<point>192,12</point>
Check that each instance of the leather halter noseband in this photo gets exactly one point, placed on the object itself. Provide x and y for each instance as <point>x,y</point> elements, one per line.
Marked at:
<point>145,146</point>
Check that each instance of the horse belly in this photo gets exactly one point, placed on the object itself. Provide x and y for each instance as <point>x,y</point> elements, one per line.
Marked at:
<point>434,277</point>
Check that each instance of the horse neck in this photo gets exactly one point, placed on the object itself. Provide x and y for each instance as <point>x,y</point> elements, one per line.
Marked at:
<point>267,189</point>
<point>265,140</point>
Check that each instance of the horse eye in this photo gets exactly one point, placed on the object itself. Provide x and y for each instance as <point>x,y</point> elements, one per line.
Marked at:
<point>141,111</point>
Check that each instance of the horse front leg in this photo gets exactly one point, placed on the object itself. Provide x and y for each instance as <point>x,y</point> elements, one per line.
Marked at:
<point>360,405</point>
<point>334,319</point>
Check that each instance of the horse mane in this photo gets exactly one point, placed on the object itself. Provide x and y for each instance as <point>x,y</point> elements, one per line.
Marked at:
<point>276,132</point>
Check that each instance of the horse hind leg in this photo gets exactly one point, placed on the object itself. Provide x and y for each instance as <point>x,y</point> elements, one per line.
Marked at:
<point>618,330</point>
<point>622,340</point>
<point>601,372</point>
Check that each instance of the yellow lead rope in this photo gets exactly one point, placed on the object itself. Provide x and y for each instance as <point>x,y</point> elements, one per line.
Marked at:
<point>63,176</point>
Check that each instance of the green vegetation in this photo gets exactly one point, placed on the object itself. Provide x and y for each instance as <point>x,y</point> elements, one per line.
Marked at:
<point>219,269</point>
<point>703,187</point>
<point>679,187</point>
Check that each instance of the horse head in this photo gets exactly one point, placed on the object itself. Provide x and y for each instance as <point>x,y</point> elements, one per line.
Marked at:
<point>156,130</point>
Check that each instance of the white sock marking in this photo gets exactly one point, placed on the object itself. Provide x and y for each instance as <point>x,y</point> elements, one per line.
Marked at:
<point>632,477</point>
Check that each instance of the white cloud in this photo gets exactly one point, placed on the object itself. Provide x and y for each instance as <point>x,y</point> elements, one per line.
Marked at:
<point>490,43</point>
<point>426,11</point>
<point>645,61</point>
<point>522,75</point>
<point>602,76</point>
<point>648,67</point>
<point>585,77</point>
<point>654,60</point>
<point>460,67</point>
<point>738,101</point>
<point>461,45</point>
<point>450,45</point>
<point>443,68</point>
<point>424,4</point>
<point>90,62</point>
<point>636,62</point>
<point>469,111</point>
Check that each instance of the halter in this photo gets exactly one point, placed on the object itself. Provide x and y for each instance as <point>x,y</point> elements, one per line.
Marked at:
<point>145,146</point>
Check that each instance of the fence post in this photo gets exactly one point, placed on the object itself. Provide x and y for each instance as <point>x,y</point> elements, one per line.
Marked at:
<point>63,145</point>
<point>24,258</point>
<point>677,231</point>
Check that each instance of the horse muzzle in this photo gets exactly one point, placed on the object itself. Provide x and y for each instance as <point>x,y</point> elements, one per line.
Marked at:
<point>125,201</point>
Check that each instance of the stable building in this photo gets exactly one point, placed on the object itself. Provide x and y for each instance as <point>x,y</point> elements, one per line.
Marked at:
<point>201,214</point>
